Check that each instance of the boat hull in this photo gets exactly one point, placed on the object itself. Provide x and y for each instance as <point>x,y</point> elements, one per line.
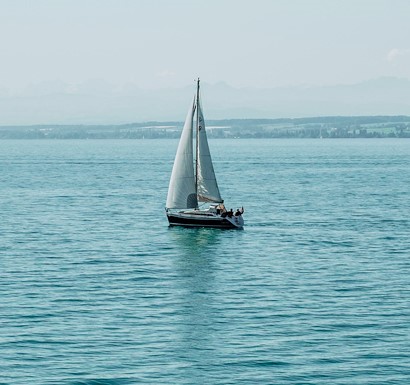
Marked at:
<point>198,220</point>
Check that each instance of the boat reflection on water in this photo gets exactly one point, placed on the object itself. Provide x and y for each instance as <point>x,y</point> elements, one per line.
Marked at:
<point>194,263</point>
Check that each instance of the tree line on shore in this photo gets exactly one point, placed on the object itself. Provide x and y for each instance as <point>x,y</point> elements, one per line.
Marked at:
<point>314,127</point>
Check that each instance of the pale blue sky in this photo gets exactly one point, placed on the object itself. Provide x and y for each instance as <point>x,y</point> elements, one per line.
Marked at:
<point>158,43</point>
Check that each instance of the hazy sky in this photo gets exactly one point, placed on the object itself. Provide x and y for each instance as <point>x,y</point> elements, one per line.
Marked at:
<point>159,43</point>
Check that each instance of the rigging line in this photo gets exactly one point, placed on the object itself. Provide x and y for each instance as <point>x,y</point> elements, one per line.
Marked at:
<point>197,140</point>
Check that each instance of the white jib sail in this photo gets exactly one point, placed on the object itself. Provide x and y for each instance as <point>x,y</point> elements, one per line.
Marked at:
<point>208,190</point>
<point>181,191</point>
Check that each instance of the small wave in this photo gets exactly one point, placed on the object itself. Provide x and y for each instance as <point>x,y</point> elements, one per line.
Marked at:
<point>102,381</point>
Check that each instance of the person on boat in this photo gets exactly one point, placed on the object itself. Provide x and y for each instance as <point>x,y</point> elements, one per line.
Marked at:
<point>238,213</point>
<point>230,213</point>
<point>220,209</point>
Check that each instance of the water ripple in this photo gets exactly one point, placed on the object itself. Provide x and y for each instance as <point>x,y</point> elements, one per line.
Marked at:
<point>96,289</point>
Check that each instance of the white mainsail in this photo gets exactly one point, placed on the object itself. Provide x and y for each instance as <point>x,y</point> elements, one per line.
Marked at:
<point>182,192</point>
<point>207,187</point>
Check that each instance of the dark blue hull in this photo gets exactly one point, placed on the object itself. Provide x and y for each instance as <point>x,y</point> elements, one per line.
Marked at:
<point>188,220</point>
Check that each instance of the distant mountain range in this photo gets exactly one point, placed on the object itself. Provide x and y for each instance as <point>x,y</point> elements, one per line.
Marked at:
<point>97,102</point>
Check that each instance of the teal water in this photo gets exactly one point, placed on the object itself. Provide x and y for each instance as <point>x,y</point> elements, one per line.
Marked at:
<point>96,289</point>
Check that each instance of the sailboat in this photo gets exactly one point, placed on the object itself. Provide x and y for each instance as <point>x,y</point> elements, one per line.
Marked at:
<point>193,183</point>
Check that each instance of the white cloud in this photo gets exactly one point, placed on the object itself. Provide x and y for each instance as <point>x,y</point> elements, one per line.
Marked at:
<point>396,54</point>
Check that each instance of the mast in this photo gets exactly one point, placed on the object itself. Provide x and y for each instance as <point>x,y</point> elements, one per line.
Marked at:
<point>197,138</point>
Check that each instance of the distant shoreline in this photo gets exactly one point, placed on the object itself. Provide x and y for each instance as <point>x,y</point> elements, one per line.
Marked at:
<point>315,127</point>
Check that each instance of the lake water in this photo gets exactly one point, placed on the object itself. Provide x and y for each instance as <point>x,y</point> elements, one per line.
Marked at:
<point>96,289</point>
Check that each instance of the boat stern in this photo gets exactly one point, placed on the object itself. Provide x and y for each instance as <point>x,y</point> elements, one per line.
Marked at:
<point>237,221</point>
